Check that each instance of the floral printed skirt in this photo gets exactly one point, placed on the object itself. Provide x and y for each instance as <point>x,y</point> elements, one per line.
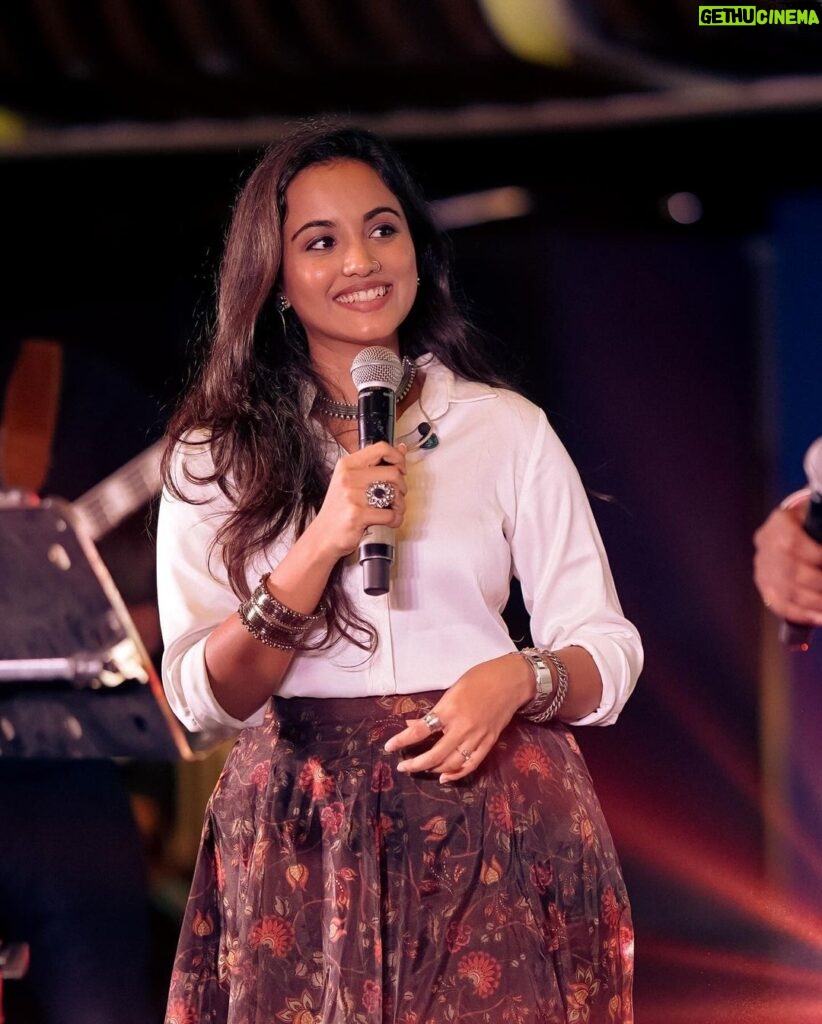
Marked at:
<point>332,889</point>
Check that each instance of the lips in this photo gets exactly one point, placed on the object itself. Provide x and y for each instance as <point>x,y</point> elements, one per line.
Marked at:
<point>377,291</point>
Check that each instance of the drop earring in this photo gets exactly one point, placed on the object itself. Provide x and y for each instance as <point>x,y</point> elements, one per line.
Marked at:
<point>282,303</point>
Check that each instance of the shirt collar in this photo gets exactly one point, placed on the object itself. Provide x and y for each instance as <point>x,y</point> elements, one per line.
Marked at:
<point>442,386</point>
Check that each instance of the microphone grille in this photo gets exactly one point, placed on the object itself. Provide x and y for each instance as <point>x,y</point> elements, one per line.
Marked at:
<point>376,367</point>
<point>813,466</point>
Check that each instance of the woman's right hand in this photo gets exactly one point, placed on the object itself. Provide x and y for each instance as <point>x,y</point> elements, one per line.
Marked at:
<point>345,512</point>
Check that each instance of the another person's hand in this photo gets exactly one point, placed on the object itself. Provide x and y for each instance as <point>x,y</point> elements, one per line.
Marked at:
<point>345,512</point>
<point>788,567</point>
<point>473,713</point>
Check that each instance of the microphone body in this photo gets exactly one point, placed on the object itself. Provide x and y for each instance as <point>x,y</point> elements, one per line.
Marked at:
<point>794,635</point>
<point>377,373</point>
<point>376,413</point>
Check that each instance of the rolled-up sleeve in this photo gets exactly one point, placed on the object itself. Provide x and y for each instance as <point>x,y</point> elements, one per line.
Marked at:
<point>193,596</point>
<point>566,581</point>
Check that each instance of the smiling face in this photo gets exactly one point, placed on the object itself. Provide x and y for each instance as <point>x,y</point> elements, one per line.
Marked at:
<point>348,266</point>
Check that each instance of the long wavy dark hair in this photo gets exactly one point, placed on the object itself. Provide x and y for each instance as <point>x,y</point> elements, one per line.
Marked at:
<point>245,397</point>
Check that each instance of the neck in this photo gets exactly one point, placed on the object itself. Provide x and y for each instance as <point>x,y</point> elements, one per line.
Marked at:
<point>333,364</point>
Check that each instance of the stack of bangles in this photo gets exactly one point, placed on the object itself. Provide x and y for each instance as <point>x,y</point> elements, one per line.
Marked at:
<point>274,623</point>
<point>549,699</point>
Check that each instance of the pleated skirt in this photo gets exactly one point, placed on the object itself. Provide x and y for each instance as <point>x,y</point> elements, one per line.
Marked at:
<point>332,889</point>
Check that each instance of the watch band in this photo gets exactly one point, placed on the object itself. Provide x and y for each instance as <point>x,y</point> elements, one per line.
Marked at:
<point>546,703</point>
<point>543,676</point>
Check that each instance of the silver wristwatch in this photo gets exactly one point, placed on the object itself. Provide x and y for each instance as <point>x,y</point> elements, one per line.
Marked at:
<point>542,673</point>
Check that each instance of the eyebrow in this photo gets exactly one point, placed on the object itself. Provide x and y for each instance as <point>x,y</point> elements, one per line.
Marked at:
<point>330,223</point>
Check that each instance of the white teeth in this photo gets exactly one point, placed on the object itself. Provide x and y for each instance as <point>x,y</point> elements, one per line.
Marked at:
<point>366,295</point>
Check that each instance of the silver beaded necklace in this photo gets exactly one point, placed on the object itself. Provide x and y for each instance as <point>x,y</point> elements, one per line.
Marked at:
<point>346,411</point>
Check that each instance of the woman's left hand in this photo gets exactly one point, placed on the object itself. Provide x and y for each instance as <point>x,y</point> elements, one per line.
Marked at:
<point>473,713</point>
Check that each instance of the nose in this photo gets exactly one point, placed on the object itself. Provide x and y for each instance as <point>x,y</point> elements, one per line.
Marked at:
<point>358,262</point>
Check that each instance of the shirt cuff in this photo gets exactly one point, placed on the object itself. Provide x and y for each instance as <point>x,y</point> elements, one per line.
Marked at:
<point>203,707</point>
<point>616,686</point>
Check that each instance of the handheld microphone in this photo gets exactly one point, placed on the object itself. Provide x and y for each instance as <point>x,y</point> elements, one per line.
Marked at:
<point>376,373</point>
<point>795,635</point>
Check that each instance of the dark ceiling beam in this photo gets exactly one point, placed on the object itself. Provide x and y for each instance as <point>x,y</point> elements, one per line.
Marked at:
<point>270,41</point>
<point>793,94</point>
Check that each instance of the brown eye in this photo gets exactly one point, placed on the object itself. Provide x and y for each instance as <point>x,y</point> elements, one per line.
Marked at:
<point>318,244</point>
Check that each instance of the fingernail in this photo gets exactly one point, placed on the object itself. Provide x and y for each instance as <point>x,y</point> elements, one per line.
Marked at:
<point>388,748</point>
<point>402,766</point>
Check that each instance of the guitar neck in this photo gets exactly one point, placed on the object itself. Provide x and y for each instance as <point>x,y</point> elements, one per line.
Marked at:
<point>114,499</point>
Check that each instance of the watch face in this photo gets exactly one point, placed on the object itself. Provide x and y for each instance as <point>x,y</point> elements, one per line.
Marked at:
<point>545,681</point>
<point>542,673</point>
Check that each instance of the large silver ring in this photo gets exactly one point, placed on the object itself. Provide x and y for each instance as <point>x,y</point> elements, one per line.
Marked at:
<point>466,755</point>
<point>380,494</point>
<point>433,722</point>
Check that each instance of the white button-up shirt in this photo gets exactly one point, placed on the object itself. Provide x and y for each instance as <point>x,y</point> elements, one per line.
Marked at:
<point>498,496</point>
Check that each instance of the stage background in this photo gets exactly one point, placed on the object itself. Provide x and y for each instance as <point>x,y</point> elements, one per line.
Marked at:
<point>679,362</point>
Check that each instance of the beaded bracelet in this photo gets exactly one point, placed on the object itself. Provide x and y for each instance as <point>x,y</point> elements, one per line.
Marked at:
<point>274,623</point>
<point>266,633</point>
<point>272,608</point>
<point>544,707</point>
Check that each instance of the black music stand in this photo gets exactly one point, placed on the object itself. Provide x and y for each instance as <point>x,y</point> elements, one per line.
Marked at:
<point>75,678</point>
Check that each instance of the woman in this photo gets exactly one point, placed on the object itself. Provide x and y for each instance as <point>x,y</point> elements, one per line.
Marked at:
<point>403,831</point>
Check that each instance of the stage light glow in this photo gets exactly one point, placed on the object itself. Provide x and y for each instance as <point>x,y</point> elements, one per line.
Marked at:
<point>683,207</point>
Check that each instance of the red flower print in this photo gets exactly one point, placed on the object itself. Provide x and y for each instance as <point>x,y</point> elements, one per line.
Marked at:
<point>259,777</point>
<point>298,1011</point>
<point>297,876</point>
<point>499,808</point>
<point>382,828</point>
<point>202,925</point>
<point>572,743</point>
<point>313,777</point>
<point>542,876</point>
<point>530,758</point>
<point>371,995</point>
<point>331,818</point>
<point>179,1013</point>
<point>584,828</point>
<point>219,870</point>
<point>336,929</point>
<point>491,873</point>
<point>274,933</point>
<point>382,778</point>
<point>482,970</point>
<point>342,891</point>
<point>409,1017</point>
<point>457,936</point>
<point>611,910</point>
<point>626,946</point>
<point>580,993</point>
<point>405,705</point>
<point>229,960</point>
<point>436,827</point>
